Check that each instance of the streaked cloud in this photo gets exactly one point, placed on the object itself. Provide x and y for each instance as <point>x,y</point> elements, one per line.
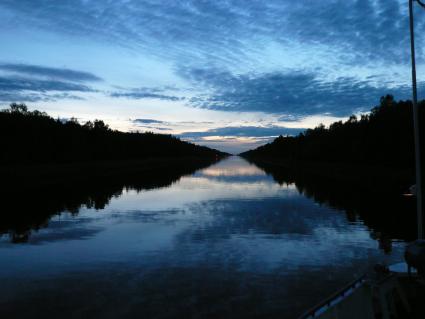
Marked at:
<point>14,89</point>
<point>238,139</point>
<point>33,83</point>
<point>8,97</point>
<point>49,72</point>
<point>137,95</point>
<point>221,30</point>
<point>147,121</point>
<point>244,131</point>
<point>231,144</point>
<point>297,93</point>
<point>9,84</point>
<point>209,69</point>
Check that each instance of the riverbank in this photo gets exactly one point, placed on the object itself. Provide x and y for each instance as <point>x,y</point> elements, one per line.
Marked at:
<point>46,175</point>
<point>376,179</point>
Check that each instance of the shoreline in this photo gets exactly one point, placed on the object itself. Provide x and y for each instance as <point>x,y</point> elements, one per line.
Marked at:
<point>377,179</point>
<point>50,174</point>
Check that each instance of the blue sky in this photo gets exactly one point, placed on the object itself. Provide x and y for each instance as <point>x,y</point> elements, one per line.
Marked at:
<point>229,74</point>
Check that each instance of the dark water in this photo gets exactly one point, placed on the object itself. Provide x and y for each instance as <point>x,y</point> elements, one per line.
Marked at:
<point>227,241</point>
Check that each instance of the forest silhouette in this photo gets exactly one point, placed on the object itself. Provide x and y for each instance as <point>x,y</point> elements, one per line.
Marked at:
<point>31,137</point>
<point>383,137</point>
<point>60,165</point>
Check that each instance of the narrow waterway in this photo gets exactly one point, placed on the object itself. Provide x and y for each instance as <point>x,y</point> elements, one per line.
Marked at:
<point>227,241</point>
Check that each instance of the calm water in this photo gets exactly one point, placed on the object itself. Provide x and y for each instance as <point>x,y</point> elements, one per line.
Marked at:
<point>227,241</point>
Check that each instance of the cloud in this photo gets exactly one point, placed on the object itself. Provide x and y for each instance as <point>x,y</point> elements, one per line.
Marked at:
<point>292,59</point>
<point>8,97</point>
<point>31,83</point>
<point>244,131</point>
<point>360,30</point>
<point>26,84</point>
<point>49,72</point>
<point>147,93</point>
<point>237,139</point>
<point>16,89</point>
<point>151,125</point>
<point>147,121</point>
<point>36,97</point>
<point>296,93</point>
<point>150,128</point>
<point>229,31</point>
<point>232,145</point>
<point>34,90</point>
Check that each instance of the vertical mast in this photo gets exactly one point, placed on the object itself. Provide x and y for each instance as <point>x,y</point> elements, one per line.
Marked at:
<point>416,125</point>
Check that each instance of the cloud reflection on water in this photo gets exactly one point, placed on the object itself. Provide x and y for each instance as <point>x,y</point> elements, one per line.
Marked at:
<point>207,235</point>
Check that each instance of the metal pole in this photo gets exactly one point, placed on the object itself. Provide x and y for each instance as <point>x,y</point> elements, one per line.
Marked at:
<point>416,126</point>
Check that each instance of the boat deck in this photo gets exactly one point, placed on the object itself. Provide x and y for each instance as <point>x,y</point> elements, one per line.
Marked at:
<point>389,295</point>
<point>414,288</point>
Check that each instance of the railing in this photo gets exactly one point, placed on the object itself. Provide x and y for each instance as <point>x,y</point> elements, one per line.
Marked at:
<point>333,299</point>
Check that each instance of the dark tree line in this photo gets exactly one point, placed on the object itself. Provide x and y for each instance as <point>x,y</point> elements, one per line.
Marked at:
<point>34,137</point>
<point>383,137</point>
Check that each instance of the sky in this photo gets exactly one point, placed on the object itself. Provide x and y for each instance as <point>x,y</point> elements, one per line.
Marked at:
<point>229,74</point>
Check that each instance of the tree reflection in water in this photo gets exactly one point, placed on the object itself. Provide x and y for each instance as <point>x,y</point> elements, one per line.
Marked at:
<point>27,209</point>
<point>388,215</point>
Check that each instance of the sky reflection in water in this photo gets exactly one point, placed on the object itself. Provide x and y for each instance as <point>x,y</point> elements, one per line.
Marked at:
<point>226,241</point>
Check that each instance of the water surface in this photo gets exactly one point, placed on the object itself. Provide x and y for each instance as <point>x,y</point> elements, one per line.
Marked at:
<point>227,241</point>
